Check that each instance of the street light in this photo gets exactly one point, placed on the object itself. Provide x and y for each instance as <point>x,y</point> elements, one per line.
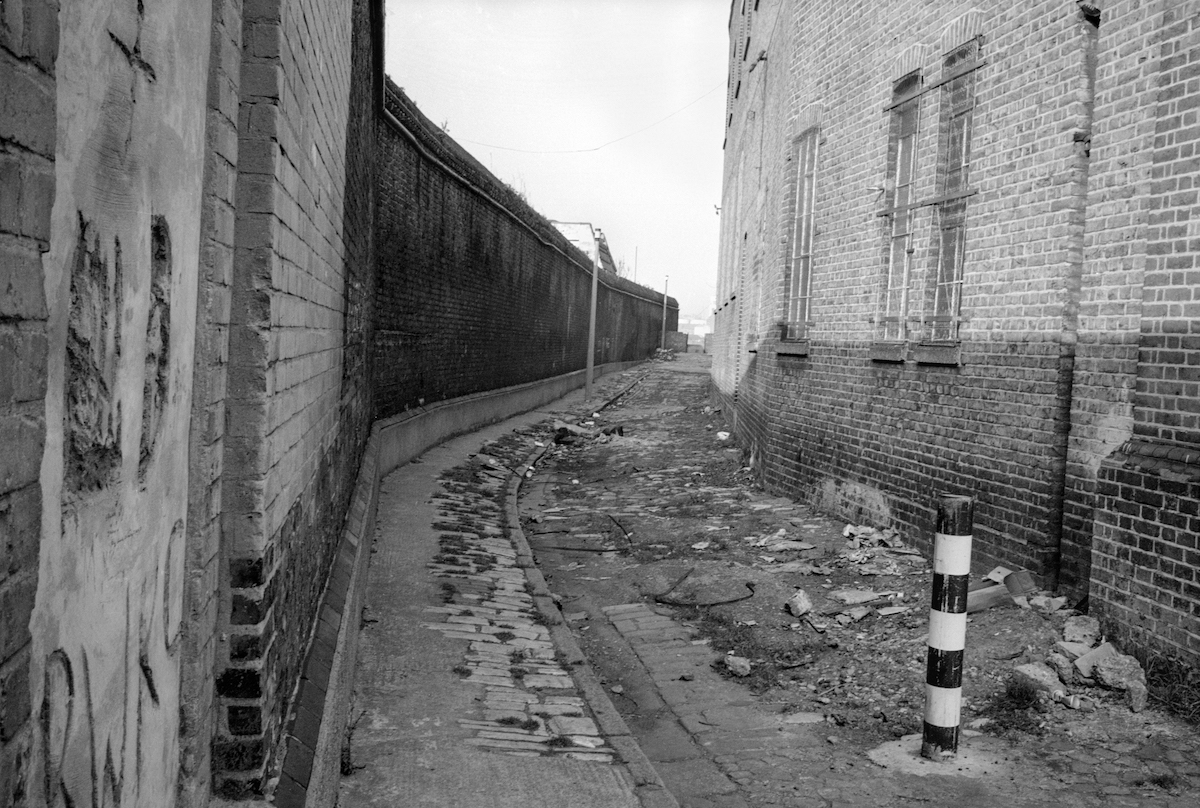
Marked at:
<point>663,340</point>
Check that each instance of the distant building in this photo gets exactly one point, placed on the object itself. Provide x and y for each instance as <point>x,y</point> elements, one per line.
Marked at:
<point>957,254</point>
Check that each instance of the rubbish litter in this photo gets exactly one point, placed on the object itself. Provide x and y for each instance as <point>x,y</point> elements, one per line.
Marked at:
<point>799,604</point>
<point>738,666</point>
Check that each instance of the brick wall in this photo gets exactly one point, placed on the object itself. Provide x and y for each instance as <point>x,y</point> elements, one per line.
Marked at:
<point>28,46</point>
<point>206,436</point>
<point>1136,440</point>
<point>298,389</point>
<point>876,439</point>
<point>475,289</point>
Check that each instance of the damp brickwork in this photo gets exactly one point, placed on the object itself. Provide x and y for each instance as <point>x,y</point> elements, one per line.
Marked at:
<point>475,289</point>
<point>298,402</point>
<point>871,418</point>
<point>1136,423</point>
<point>28,47</point>
<point>206,436</point>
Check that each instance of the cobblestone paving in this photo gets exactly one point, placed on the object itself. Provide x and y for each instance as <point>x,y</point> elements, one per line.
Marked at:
<point>653,485</point>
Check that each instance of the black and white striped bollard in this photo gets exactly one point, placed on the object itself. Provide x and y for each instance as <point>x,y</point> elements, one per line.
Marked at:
<point>947,626</point>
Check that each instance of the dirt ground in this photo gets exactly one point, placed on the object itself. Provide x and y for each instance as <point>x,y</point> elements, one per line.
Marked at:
<point>664,510</point>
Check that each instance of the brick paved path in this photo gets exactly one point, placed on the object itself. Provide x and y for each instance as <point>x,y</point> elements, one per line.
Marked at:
<point>463,693</point>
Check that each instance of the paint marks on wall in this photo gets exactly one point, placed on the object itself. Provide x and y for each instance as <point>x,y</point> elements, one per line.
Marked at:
<point>158,340</point>
<point>92,444</point>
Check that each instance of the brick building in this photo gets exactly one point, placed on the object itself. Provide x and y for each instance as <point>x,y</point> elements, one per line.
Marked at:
<point>955,255</point>
<point>223,259</point>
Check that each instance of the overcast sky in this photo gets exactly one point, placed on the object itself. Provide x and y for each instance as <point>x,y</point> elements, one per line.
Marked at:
<point>535,89</point>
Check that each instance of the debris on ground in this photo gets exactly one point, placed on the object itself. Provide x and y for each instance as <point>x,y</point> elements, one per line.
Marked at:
<point>711,551</point>
<point>799,604</point>
<point>987,597</point>
<point>1123,672</point>
<point>851,597</point>
<point>1039,676</point>
<point>738,666</point>
<point>1082,629</point>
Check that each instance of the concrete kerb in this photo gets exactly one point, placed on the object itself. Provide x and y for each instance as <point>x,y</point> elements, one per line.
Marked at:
<point>649,787</point>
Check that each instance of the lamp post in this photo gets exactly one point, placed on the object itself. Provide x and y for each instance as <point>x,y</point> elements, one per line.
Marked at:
<point>663,339</point>
<point>591,349</point>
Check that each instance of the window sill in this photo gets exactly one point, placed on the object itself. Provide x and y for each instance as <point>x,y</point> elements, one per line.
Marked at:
<point>797,347</point>
<point>888,351</point>
<point>937,353</point>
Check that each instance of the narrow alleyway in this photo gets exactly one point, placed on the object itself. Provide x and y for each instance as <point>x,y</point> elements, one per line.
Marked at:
<point>661,652</point>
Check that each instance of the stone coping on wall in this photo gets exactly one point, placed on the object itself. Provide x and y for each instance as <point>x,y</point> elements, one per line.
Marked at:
<point>320,709</point>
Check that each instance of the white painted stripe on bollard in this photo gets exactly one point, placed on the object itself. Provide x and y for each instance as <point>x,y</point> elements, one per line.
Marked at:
<point>947,632</point>
<point>952,554</point>
<point>943,705</point>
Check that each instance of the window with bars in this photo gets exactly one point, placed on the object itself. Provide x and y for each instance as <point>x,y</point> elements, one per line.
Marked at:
<point>799,286</point>
<point>954,161</point>
<point>892,322</point>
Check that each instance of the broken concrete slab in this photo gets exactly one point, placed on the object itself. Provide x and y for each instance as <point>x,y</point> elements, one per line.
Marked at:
<point>851,597</point>
<point>1072,650</point>
<point>1039,676</point>
<point>1062,666</point>
<point>1123,672</point>
<point>981,599</point>
<point>1088,661</point>
<point>1082,629</point>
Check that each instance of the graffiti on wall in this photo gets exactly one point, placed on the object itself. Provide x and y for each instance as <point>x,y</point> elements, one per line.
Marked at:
<point>98,699</point>
<point>89,761</point>
<point>93,413</point>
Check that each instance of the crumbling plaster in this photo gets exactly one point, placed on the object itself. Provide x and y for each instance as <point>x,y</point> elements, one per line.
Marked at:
<point>120,279</point>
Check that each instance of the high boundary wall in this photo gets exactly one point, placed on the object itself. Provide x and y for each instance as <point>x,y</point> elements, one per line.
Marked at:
<point>476,290</point>
<point>189,207</point>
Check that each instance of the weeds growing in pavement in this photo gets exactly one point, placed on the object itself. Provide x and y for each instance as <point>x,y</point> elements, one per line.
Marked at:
<point>527,724</point>
<point>1167,782</point>
<point>1016,709</point>
<point>1173,685</point>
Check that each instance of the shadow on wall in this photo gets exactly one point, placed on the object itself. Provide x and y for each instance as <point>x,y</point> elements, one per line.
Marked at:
<point>754,415</point>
